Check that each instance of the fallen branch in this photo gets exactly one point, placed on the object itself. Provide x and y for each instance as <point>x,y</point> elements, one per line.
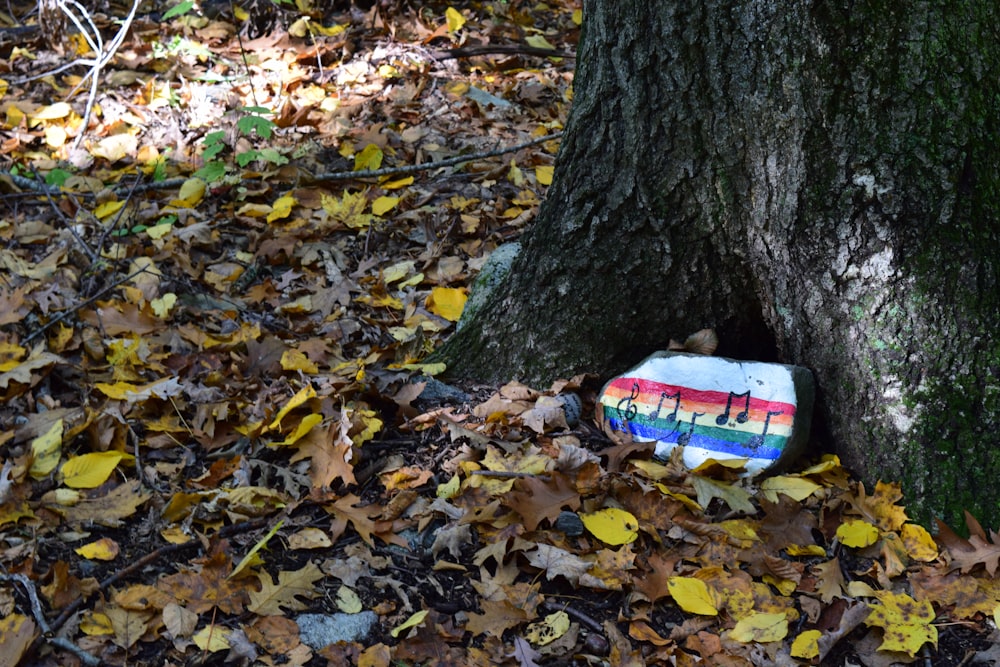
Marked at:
<point>43,625</point>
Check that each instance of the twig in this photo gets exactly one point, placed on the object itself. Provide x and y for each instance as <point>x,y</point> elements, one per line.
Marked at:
<point>39,615</point>
<point>504,474</point>
<point>504,49</point>
<point>66,221</point>
<point>151,557</point>
<point>83,304</point>
<point>331,176</point>
<point>575,613</point>
<point>450,162</point>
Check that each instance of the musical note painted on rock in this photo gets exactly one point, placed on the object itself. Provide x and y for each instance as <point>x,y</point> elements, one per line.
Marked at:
<point>685,438</point>
<point>631,409</point>
<point>742,417</point>
<point>756,441</point>
<point>677,404</point>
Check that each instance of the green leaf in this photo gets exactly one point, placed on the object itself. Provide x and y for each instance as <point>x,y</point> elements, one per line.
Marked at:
<point>57,177</point>
<point>253,123</point>
<point>211,172</point>
<point>179,9</point>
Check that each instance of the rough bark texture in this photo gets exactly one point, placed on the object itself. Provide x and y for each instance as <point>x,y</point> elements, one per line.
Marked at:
<point>816,180</point>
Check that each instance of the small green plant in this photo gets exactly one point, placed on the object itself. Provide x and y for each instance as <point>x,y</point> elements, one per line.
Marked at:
<point>253,122</point>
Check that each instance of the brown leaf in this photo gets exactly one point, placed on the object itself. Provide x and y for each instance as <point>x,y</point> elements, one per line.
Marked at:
<point>536,498</point>
<point>496,618</point>
<point>273,597</point>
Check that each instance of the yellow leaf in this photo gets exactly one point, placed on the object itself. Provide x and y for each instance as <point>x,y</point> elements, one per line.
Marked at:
<point>212,638</point>
<point>397,183</point>
<point>551,628</point>
<point>806,645</point>
<point>107,209</point>
<point>807,550</point>
<point>543,174</point>
<point>46,450</point>
<point>384,204</point>
<point>454,18</point>
<point>539,42</point>
<point>261,543</point>
<point>348,601</point>
<point>515,175</point>
<point>397,271</point>
<point>116,147</point>
<point>693,595</point>
<point>612,525</point>
<point>349,209</point>
<point>450,488</point>
<point>760,627</point>
<point>796,488</point>
<point>96,624</point>
<point>919,543</point>
<point>295,360</point>
<point>370,157</point>
<point>55,136</point>
<point>447,302</point>
<point>89,471</point>
<point>102,549</point>
<point>857,533</point>
<point>162,306</point>
<point>427,369</point>
<point>254,210</point>
<point>191,193</point>
<point>282,208</point>
<point>577,16</point>
<point>413,621</point>
<point>53,112</point>
<point>295,401</point>
<point>906,623</point>
<point>304,427</point>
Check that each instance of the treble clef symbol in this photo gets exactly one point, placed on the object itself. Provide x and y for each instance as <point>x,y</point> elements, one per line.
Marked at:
<point>631,409</point>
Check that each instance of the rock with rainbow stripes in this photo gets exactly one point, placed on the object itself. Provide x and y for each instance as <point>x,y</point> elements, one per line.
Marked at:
<point>715,408</point>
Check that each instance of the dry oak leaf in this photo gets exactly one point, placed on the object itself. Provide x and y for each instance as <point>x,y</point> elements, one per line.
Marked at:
<point>497,617</point>
<point>558,562</point>
<point>272,597</point>
<point>976,550</point>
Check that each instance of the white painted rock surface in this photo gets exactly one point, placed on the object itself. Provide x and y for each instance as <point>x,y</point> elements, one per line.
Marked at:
<point>715,408</point>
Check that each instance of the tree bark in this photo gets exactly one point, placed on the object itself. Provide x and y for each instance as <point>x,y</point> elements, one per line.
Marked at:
<point>816,180</point>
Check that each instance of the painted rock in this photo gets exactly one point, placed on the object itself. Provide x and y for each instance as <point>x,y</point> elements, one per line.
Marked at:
<point>714,407</point>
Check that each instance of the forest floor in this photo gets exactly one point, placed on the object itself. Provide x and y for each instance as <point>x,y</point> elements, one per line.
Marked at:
<point>218,419</point>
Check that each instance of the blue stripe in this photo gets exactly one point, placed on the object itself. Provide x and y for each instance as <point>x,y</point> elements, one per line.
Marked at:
<point>772,448</point>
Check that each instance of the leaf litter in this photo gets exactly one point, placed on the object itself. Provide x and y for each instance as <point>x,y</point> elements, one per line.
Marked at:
<point>217,314</point>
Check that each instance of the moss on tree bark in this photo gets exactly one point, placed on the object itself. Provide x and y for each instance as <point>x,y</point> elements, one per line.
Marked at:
<point>820,184</point>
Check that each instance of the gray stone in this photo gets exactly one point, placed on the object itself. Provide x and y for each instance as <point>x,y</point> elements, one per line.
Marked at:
<point>320,630</point>
<point>715,408</point>
<point>437,392</point>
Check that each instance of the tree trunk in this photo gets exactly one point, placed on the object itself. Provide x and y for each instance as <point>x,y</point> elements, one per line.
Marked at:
<point>816,180</point>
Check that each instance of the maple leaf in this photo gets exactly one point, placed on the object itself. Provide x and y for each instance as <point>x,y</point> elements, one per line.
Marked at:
<point>906,623</point>
<point>272,597</point>
<point>536,498</point>
<point>344,511</point>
